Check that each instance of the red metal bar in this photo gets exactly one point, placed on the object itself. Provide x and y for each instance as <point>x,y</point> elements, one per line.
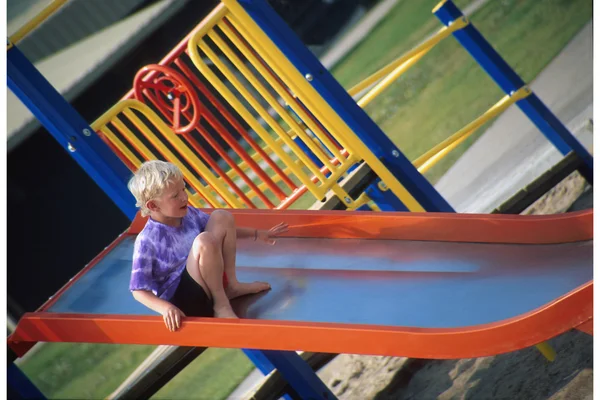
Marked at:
<point>205,156</point>
<point>238,127</point>
<point>234,166</point>
<point>195,107</point>
<point>180,48</point>
<point>172,57</point>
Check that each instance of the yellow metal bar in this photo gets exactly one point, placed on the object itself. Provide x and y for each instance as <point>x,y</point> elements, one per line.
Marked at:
<point>121,146</point>
<point>388,80</point>
<point>111,117</point>
<point>421,48</point>
<point>343,196</point>
<point>347,200</point>
<point>374,207</point>
<point>283,113</point>
<point>277,107</point>
<point>261,111</point>
<point>245,114</point>
<point>314,102</point>
<point>469,129</point>
<point>332,180</point>
<point>37,20</point>
<point>147,153</point>
<point>546,350</point>
<point>285,95</point>
<point>286,71</point>
<point>210,23</point>
<point>130,136</point>
<point>178,144</point>
<point>362,200</point>
<point>197,201</point>
<point>427,165</point>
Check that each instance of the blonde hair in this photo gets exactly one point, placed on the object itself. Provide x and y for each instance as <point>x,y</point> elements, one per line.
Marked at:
<point>150,180</point>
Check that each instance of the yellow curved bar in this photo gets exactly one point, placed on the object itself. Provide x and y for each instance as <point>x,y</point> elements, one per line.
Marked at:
<point>314,102</point>
<point>37,20</point>
<point>245,114</point>
<point>277,107</point>
<point>285,95</point>
<point>424,47</point>
<point>469,129</point>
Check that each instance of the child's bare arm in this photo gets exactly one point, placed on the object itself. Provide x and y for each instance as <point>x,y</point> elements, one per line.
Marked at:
<point>258,234</point>
<point>171,314</point>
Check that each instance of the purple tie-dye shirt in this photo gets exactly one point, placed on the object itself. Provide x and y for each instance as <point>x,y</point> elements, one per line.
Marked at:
<point>161,251</point>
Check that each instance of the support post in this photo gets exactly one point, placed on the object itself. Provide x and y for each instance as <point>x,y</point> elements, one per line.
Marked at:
<point>69,129</point>
<point>508,80</point>
<point>19,385</point>
<point>301,377</point>
<point>383,197</point>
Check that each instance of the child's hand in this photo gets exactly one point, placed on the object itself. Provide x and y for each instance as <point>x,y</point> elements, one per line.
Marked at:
<point>275,231</point>
<point>172,316</point>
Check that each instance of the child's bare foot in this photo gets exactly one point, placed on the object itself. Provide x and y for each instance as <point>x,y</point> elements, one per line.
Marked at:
<point>240,289</point>
<point>224,312</point>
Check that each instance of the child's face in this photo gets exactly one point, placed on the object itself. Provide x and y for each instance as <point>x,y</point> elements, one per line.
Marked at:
<point>172,203</point>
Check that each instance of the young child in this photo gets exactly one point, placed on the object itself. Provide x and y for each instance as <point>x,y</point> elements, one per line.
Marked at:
<point>181,255</point>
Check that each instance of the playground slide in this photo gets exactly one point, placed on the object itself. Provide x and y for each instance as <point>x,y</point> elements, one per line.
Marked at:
<point>404,284</point>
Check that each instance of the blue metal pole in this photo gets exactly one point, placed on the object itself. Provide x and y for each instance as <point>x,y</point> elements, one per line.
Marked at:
<point>20,385</point>
<point>299,375</point>
<point>335,95</point>
<point>70,130</point>
<point>262,363</point>
<point>472,40</point>
<point>385,199</point>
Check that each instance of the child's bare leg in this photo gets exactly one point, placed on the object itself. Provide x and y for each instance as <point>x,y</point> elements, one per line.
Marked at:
<point>222,225</point>
<point>205,265</point>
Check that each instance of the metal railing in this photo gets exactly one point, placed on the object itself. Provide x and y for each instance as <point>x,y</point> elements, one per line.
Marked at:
<point>243,132</point>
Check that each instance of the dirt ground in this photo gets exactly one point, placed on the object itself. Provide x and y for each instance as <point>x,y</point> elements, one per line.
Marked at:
<point>524,374</point>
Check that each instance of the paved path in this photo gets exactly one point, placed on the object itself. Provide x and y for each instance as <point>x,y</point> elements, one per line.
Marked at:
<point>513,152</point>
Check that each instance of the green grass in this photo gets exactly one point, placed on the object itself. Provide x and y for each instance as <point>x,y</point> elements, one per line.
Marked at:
<point>447,89</point>
<point>212,376</point>
<point>406,25</point>
<point>93,371</point>
<point>439,95</point>
<point>82,371</point>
